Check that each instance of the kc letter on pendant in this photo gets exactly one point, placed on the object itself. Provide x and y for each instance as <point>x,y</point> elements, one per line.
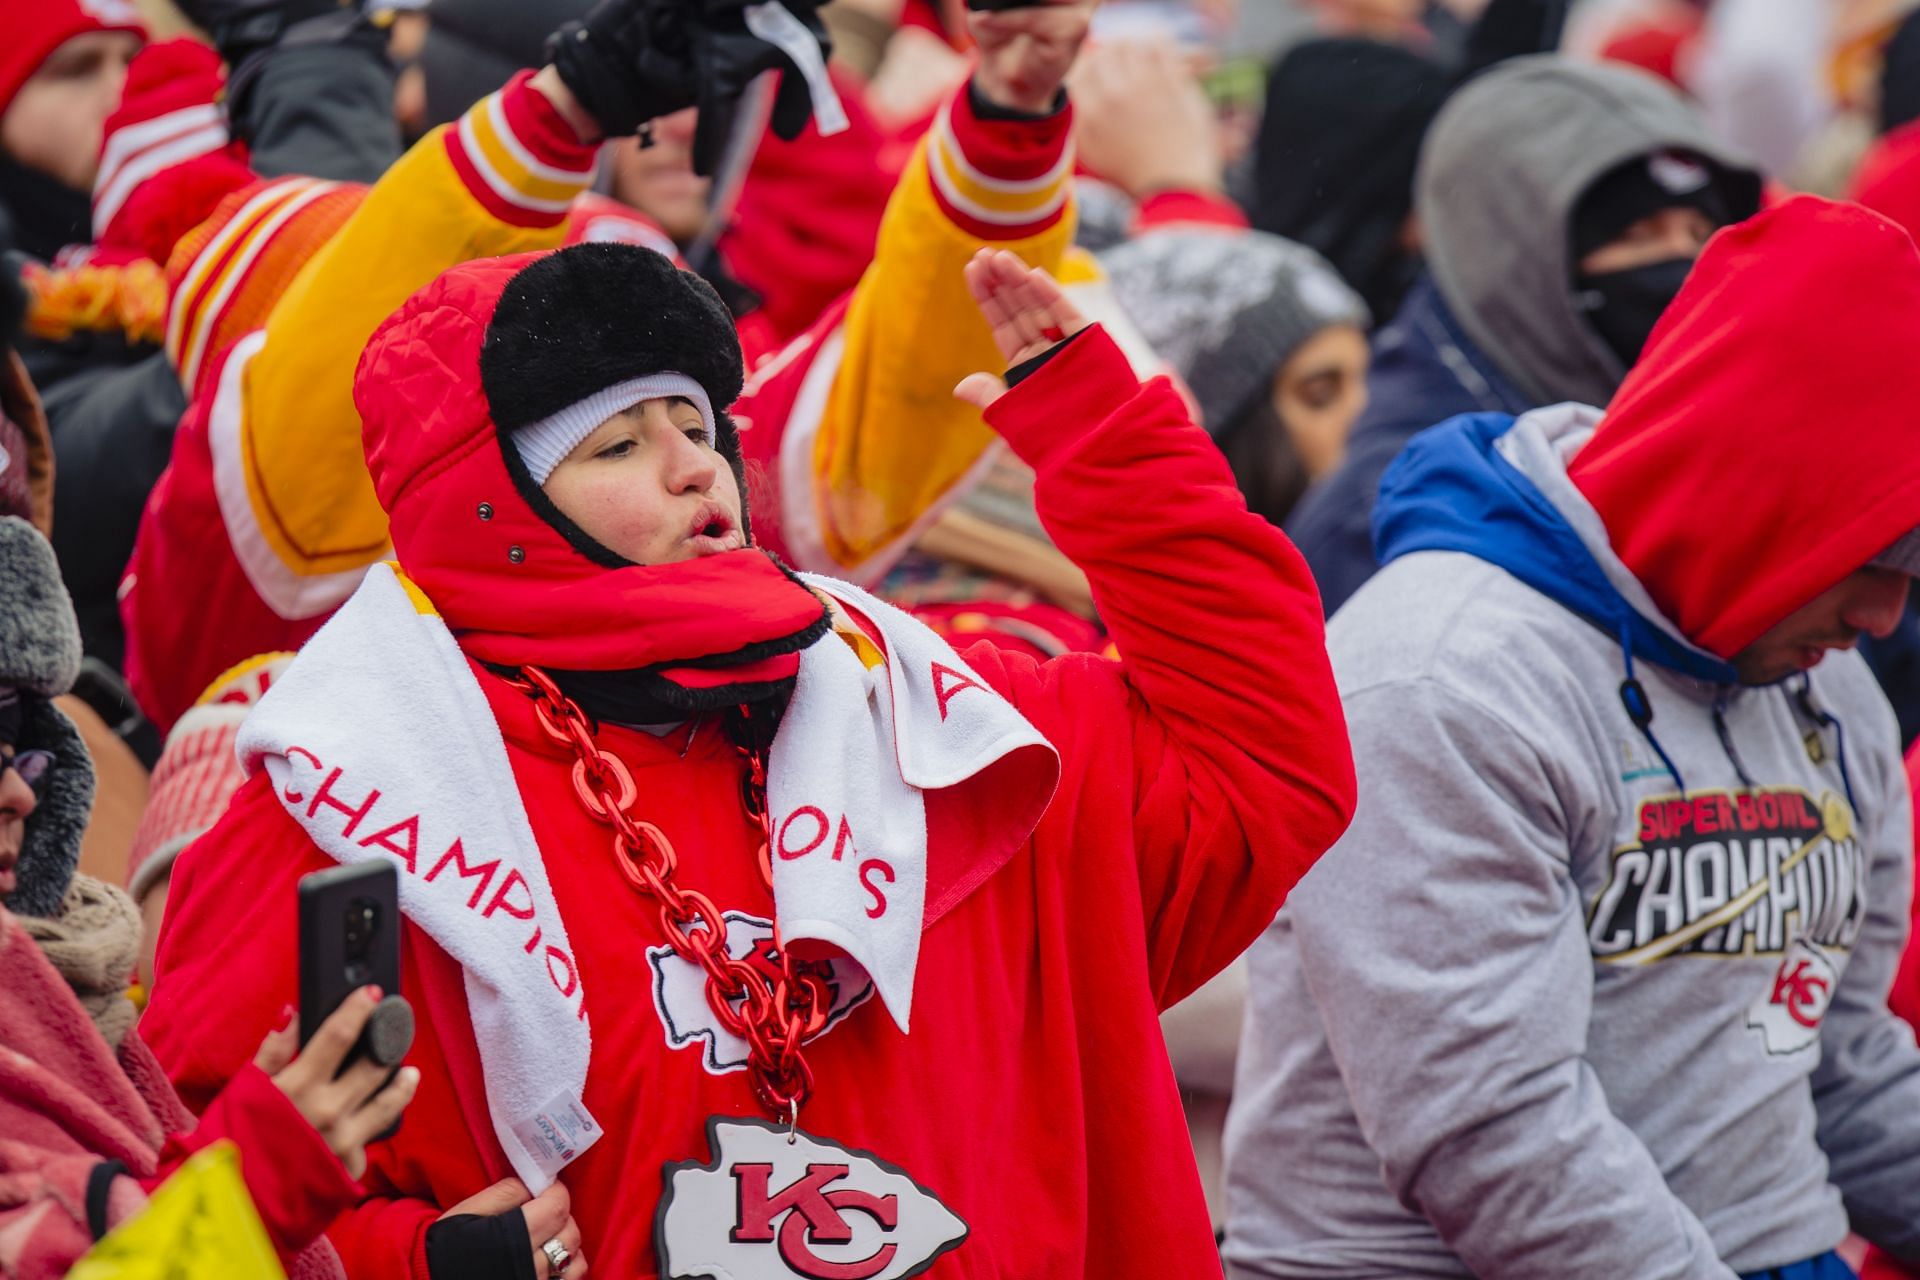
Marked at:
<point>768,1208</point>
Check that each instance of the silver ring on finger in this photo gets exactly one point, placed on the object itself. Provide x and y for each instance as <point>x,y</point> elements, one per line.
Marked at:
<point>558,1258</point>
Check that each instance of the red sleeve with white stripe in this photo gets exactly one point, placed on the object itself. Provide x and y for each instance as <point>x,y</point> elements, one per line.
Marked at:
<point>169,114</point>
<point>1000,179</point>
<point>519,157</point>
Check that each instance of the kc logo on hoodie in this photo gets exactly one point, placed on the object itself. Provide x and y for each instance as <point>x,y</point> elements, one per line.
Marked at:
<point>680,991</point>
<point>779,1203</point>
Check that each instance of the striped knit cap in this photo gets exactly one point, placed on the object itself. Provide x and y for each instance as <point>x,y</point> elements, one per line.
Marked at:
<point>198,771</point>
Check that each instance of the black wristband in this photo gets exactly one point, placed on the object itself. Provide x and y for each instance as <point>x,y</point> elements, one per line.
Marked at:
<point>99,1187</point>
<point>984,108</point>
<point>1032,364</point>
<point>471,1246</point>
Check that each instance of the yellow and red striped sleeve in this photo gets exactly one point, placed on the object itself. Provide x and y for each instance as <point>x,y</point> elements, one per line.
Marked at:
<point>998,179</point>
<point>888,442</point>
<point>499,181</point>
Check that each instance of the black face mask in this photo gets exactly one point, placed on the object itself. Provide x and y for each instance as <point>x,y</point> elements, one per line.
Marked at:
<point>1623,306</point>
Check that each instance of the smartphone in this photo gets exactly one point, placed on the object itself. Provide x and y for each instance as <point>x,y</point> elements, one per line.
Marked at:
<point>349,937</point>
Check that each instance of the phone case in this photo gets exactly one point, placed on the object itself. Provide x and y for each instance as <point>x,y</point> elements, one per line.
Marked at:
<point>349,937</point>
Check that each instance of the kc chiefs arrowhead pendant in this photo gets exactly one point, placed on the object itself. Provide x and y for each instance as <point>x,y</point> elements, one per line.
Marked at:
<point>777,1204</point>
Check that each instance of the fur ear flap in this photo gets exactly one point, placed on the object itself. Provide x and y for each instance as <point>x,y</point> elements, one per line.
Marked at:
<point>39,635</point>
<point>51,848</point>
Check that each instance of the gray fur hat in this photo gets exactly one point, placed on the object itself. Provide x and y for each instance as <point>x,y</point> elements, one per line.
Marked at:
<point>1227,308</point>
<point>39,658</point>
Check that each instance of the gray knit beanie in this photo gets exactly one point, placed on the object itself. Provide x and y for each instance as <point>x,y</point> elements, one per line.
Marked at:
<point>39,658</point>
<point>1227,308</point>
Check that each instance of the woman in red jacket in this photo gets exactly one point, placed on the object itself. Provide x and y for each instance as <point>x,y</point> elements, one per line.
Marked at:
<point>88,1124</point>
<point>689,844</point>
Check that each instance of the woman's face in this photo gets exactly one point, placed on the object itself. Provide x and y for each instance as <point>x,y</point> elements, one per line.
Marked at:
<point>659,180</point>
<point>55,122</point>
<point>647,486</point>
<point>16,806</point>
<point>1319,392</point>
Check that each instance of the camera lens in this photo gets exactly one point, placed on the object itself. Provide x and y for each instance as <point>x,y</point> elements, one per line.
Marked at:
<point>362,915</point>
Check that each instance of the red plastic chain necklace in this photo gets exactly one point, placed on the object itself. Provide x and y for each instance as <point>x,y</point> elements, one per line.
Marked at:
<point>774,1016</point>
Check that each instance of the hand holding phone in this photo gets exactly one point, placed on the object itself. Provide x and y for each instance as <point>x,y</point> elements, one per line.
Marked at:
<point>348,1106</point>
<point>349,939</point>
<point>349,943</point>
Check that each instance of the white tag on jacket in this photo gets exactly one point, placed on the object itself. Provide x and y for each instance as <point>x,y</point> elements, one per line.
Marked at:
<point>780,1206</point>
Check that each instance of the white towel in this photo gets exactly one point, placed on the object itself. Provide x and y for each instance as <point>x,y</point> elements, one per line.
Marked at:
<point>855,754</point>
<point>381,744</point>
<point>381,711</point>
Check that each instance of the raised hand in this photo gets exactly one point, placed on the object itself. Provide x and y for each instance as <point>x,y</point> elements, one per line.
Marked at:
<point>1025,53</point>
<point>620,66</point>
<point>1026,309</point>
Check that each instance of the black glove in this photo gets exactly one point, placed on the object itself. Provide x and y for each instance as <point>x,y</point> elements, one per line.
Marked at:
<point>727,58</point>
<point>631,61</point>
<point>628,62</point>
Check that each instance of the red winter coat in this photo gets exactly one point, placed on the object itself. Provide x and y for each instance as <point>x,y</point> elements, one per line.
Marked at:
<point>68,1103</point>
<point>1905,1001</point>
<point>1202,774</point>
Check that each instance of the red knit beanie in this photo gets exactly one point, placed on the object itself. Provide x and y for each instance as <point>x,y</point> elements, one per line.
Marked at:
<point>35,28</point>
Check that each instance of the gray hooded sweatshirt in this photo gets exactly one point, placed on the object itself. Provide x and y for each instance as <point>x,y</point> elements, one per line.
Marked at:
<point>1539,1013</point>
<point>1501,171</point>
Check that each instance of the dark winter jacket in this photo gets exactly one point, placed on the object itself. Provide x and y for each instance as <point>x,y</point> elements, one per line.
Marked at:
<point>1425,370</point>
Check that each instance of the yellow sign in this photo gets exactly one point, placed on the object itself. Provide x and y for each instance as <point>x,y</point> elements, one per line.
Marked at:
<point>199,1225</point>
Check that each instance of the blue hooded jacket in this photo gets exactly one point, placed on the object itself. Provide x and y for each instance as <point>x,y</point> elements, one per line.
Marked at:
<point>1452,490</point>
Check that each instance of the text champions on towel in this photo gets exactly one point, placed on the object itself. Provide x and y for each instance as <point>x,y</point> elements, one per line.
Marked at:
<point>448,867</point>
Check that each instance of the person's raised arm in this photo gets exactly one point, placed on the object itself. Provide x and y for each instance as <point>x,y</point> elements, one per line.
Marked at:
<point>1145,125</point>
<point>498,181</point>
<point>874,440</point>
<point>1236,765</point>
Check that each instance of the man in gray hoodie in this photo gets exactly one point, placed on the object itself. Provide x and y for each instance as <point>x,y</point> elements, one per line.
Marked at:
<point>1595,984</point>
<point>1561,205</point>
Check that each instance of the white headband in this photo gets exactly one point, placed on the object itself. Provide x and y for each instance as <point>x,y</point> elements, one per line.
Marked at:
<point>543,445</point>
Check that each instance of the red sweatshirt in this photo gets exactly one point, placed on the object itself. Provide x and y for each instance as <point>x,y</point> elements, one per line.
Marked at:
<point>1904,999</point>
<point>1203,772</point>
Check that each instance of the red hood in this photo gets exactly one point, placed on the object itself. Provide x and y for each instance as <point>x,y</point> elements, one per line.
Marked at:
<point>508,583</point>
<point>1765,445</point>
<point>1888,179</point>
